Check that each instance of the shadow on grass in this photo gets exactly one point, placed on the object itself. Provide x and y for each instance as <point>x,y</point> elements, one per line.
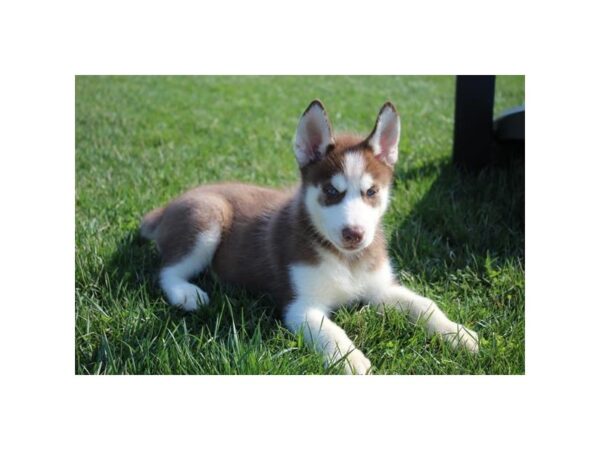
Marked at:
<point>463,220</point>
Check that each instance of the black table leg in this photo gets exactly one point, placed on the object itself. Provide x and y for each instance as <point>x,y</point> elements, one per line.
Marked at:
<point>473,121</point>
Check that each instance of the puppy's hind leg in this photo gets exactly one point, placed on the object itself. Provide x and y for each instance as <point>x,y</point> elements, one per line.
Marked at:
<point>188,237</point>
<point>174,278</point>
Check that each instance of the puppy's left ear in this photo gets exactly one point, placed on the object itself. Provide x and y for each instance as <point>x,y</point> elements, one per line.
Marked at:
<point>385,136</point>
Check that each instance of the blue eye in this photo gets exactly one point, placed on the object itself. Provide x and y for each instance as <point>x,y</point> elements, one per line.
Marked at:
<point>330,190</point>
<point>371,192</point>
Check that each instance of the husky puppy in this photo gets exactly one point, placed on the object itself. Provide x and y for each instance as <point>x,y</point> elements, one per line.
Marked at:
<point>313,249</point>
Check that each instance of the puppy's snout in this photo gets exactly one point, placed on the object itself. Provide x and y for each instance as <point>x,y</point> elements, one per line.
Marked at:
<point>353,235</point>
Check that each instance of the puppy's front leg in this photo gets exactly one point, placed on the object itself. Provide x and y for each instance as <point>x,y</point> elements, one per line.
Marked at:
<point>329,338</point>
<point>422,308</point>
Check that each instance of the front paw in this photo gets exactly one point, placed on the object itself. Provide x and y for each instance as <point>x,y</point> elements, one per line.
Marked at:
<point>187,296</point>
<point>462,337</point>
<point>356,363</point>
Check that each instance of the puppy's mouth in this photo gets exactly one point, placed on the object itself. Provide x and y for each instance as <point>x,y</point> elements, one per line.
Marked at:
<point>350,248</point>
<point>353,247</point>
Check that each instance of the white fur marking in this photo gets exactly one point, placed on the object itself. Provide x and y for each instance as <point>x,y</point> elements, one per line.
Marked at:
<point>174,278</point>
<point>333,283</point>
<point>366,182</point>
<point>339,182</point>
<point>354,165</point>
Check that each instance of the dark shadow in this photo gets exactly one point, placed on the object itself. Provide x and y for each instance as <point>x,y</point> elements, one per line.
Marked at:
<point>463,220</point>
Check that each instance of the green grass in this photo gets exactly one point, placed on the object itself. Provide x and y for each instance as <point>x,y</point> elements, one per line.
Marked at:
<point>140,141</point>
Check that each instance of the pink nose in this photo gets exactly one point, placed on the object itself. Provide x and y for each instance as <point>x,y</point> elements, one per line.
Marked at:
<point>352,235</point>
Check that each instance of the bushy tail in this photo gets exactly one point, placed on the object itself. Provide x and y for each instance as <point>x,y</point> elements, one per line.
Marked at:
<point>150,223</point>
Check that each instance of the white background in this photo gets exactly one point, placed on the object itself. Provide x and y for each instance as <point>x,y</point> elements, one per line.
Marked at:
<point>44,44</point>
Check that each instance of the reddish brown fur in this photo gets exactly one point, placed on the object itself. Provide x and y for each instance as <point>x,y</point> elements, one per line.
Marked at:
<point>264,230</point>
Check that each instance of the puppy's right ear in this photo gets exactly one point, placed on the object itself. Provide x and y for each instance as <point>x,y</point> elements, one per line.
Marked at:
<point>313,136</point>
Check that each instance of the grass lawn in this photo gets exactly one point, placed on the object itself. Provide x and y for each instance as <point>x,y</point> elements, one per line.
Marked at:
<point>142,140</point>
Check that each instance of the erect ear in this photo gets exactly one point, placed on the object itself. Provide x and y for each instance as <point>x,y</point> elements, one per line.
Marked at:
<point>385,136</point>
<point>313,136</point>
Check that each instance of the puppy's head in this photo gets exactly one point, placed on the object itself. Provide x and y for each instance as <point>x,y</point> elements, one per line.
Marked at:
<point>346,179</point>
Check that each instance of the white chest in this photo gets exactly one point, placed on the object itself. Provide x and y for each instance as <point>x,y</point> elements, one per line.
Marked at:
<point>332,283</point>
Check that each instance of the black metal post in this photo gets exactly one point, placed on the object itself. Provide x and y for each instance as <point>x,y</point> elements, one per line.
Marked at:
<point>473,121</point>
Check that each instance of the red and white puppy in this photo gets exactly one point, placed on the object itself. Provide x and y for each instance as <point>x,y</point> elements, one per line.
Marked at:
<point>313,248</point>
